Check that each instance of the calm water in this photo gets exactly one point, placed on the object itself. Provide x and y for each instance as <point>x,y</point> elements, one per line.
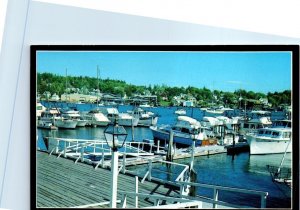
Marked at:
<point>242,171</point>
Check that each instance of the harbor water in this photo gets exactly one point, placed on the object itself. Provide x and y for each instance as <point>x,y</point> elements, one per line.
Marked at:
<point>240,171</point>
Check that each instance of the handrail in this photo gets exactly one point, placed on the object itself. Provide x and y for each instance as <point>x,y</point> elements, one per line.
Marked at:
<point>216,189</point>
<point>232,189</point>
<point>182,199</point>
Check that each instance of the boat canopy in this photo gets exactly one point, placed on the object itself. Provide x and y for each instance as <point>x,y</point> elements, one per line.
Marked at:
<point>188,119</point>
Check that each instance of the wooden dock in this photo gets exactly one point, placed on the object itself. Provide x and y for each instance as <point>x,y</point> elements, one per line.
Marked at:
<point>61,183</point>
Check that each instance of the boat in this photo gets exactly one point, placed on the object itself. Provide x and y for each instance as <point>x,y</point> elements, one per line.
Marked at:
<point>146,105</point>
<point>53,115</point>
<point>185,130</point>
<point>146,118</point>
<point>180,112</point>
<point>270,140</point>
<point>95,118</point>
<point>39,109</point>
<point>251,125</point>
<point>221,127</point>
<point>214,112</point>
<point>124,119</point>
<point>74,115</point>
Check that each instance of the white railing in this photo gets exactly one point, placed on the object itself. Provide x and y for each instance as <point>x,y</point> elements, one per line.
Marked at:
<point>216,189</point>
<point>158,199</point>
<point>78,149</point>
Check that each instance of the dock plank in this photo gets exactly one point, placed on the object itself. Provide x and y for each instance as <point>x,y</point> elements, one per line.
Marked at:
<point>62,183</point>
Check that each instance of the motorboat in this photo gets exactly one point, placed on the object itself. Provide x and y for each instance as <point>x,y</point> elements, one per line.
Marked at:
<point>74,115</point>
<point>146,118</point>
<point>221,127</point>
<point>214,112</point>
<point>270,140</point>
<point>96,118</point>
<point>185,130</point>
<point>180,112</point>
<point>251,126</point>
<point>124,119</point>
<point>53,115</point>
<point>39,109</point>
<point>145,105</point>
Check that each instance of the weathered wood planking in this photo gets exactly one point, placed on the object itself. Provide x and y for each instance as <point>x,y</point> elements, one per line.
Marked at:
<point>62,183</point>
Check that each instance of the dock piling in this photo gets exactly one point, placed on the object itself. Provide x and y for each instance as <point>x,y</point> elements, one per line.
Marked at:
<point>170,147</point>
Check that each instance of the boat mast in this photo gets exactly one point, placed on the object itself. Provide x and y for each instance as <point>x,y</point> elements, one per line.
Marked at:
<point>98,84</point>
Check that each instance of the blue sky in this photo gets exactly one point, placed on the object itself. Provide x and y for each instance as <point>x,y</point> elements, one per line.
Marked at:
<point>227,71</point>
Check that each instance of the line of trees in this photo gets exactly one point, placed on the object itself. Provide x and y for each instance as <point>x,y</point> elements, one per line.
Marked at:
<point>205,97</point>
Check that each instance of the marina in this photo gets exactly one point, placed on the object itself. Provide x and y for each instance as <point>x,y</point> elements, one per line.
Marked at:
<point>171,129</point>
<point>87,146</point>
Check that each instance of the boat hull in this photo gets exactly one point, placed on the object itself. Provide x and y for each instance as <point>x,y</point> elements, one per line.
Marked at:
<point>68,124</point>
<point>259,146</point>
<point>178,138</point>
<point>147,122</point>
<point>81,123</point>
<point>128,122</point>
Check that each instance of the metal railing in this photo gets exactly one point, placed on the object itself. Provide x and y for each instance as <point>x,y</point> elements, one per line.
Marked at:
<point>216,189</point>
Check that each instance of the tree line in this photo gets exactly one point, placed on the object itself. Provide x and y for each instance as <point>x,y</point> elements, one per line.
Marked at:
<point>204,96</point>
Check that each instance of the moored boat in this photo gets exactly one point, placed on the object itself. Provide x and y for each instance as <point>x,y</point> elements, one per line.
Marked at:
<point>96,118</point>
<point>74,115</point>
<point>145,118</point>
<point>124,119</point>
<point>53,115</point>
<point>270,141</point>
<point>180,112</point>
<point>185,130</point>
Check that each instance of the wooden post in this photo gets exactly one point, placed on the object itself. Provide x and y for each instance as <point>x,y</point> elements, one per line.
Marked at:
<point>124,163</point>
<point>193,178</point>
<point>132,130</point>
<point>136,191</point>
<point>170,147</point>
<point>233,143</point>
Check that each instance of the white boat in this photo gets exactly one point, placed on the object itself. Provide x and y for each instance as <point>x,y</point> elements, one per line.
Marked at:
<point>96,118</point>
<point>145,105</point>
<point>53,115</point>
<point>46,124</point>
<point>186,130</point>
<point>251,126</point>
<point>214,112</point>
<point>145,118</point>
<point>219,127</point>
<point>270,141</point>
<point>180,112</point>
<point>74,115</point>
<point>39,109</point>
<point>124,119</point>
